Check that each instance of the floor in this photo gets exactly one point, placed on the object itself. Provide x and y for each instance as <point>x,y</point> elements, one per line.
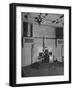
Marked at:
<point>43,69</point>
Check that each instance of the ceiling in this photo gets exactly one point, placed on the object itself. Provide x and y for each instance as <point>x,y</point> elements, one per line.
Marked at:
<point>56,20</point>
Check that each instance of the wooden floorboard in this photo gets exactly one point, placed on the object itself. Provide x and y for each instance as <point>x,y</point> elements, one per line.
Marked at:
<point>43,69</point>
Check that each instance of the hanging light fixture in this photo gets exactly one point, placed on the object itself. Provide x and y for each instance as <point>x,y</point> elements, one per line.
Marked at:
<point>39,19</point>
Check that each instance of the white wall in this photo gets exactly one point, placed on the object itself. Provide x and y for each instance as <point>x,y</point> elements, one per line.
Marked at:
<point>4,45</point>
<point>26,54</point>
<point>40,31</point>
<point>46,31</point>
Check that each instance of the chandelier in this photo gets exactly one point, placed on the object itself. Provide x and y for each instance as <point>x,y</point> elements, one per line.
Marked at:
<point>39,18</point>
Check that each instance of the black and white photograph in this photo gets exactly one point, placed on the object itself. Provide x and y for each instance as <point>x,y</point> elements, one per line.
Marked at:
<point>42,44</point>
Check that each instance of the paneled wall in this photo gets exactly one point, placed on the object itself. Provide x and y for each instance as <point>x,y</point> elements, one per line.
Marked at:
<point>43,30</point>
<point>31,50</point>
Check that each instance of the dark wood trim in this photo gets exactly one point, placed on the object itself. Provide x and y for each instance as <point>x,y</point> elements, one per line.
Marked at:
<point>12,63</point>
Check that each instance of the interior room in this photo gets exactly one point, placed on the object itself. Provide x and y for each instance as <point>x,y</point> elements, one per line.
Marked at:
<point>42,44</point>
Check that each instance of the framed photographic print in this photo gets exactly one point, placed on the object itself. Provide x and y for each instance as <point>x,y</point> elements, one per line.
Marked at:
<point>40,44</point>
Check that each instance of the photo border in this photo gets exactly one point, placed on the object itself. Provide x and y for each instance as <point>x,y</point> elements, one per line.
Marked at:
<point>12,64</point>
